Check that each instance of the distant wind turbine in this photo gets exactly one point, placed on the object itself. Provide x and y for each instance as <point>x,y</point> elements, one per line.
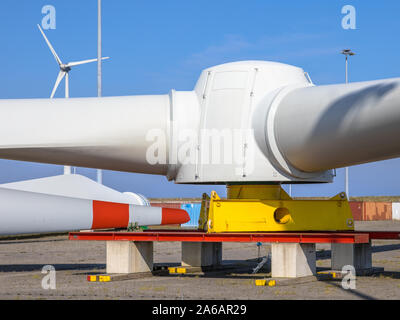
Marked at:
<point>65,68</point>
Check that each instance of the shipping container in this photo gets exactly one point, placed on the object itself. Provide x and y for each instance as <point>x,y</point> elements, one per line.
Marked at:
<point>357,209</point>
<point>166,205</point>
<point>371,211</point>
<point>193,209</point>
<point>377,211</point>
<point>396,210</point>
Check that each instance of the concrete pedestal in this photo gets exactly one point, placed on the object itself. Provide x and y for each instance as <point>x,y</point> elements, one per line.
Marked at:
<point>358,255</point>
<point>291,260</point>
<point>201,254</point>
<point>129,256</point>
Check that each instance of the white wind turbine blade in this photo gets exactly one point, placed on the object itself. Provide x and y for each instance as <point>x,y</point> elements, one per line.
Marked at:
<point>71,64</point>
<point>60,76</point>
<point>50,46</point>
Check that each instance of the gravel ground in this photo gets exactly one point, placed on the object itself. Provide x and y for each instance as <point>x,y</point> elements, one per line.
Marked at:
<point>21,262</point>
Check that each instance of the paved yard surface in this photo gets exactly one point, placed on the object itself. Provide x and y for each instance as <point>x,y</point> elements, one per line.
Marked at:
<point>21,262</point>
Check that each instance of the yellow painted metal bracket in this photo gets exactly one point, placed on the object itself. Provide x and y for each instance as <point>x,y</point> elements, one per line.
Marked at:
<point>258,208</point>
<point>203,218</point>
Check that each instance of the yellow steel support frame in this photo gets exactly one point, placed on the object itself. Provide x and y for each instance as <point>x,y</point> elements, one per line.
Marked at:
<point>258,208</point>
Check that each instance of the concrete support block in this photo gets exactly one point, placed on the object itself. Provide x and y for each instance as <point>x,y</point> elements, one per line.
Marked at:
<point>291,260</point>
<point>358,255</point>
<point>129,256</point>
<point>201,254</point>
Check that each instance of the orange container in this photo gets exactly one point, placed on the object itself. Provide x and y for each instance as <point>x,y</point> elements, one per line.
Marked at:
<point>174,205</point>
<point>357,209</point>
<point>377,211</point>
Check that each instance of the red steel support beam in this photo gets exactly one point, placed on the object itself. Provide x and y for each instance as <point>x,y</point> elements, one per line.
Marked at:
<point>384,235</point>
<point>196,236</point>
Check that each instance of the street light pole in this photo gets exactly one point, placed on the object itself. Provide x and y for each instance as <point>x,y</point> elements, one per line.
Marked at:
<point>67,169</point>
<point>99,172</point>
<point>347,52</point>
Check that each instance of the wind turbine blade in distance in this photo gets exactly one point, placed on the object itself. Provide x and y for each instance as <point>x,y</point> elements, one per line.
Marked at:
<point>50,46</point>
<point>60,76</point>
<point>71,64</point>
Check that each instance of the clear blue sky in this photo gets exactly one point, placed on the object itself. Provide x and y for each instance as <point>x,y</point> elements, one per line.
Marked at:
<point>159,45</point>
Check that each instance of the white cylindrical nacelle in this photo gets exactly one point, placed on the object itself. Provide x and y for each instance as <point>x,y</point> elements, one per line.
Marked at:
<point>136,198</point>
